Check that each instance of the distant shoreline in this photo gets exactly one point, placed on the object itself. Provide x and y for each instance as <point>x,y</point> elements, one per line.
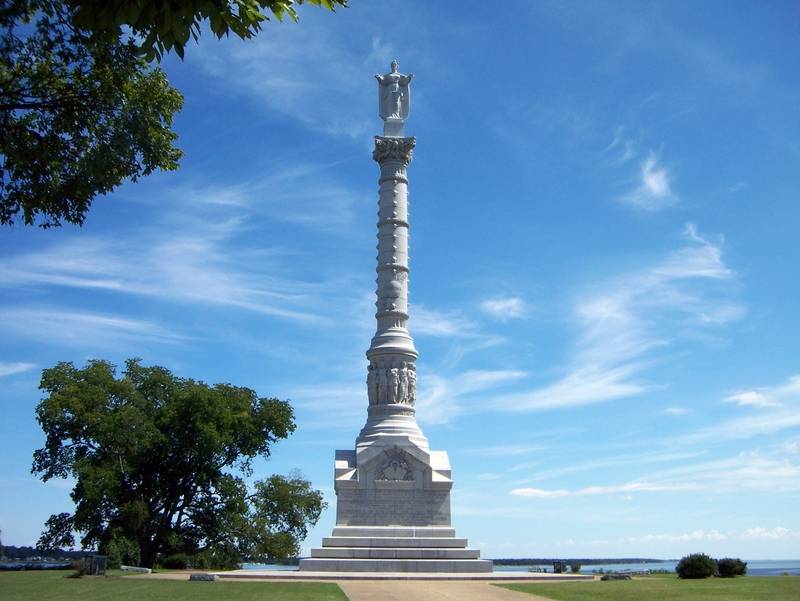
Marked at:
<point>512,561</point>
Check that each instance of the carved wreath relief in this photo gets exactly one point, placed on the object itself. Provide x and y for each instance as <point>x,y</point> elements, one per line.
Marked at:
<point>395,467</point>
<point>393,384</point>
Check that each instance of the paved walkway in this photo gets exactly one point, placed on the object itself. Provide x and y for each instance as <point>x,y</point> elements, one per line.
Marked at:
<point>409,590</point>
<point>398,590</point>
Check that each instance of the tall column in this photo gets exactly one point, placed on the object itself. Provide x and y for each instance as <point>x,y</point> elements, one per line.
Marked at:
<point>392,375</point>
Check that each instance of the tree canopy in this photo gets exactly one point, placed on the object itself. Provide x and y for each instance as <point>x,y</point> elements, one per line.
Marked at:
<point>82,108</point>
<point>78,115</point>
<point>160,462</point>
<point>163,26</point>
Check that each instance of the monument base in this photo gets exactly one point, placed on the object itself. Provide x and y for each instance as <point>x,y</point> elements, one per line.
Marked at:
<point>393,512</point>
<point>395,549</point>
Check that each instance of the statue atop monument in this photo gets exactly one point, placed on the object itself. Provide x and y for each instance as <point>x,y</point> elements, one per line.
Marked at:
<point>394,100</point>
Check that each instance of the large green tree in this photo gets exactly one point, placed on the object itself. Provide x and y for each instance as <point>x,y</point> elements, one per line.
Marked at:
<point>82,108</point>
<point>160,462</point>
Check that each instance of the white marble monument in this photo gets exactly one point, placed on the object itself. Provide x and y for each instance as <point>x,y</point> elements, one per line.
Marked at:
<point>393,492</point>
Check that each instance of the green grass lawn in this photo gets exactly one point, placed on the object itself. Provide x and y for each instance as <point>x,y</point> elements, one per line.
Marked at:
<point>55,586</point>
<point>670,588</point>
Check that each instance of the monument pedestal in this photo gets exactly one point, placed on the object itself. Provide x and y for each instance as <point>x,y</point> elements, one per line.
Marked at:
<point>392,491</point>
<point>393,514</point>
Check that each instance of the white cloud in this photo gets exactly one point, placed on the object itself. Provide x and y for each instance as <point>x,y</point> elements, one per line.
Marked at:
<point>605,462</point>
<point>653,191</point>
<point>751,398</point>
<point>9,369</point>
<point>442,398</point>
<point>675,411</point>
<point>81,328</point>
<point>623,147</point>
<point>693,536</point>
<point>746,471</point>
<point>622,321</point>
<point>430,322</point>
<point>509,450</point>
<point>190,266</point>
<point>777,533</point>
<point>773,396</point>
<point>778,410</point>
<point>505,308</point>
<point>284,71</point>
<point>538,493</point>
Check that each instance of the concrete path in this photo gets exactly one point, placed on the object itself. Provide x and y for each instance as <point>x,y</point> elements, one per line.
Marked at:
<point>409,590</point>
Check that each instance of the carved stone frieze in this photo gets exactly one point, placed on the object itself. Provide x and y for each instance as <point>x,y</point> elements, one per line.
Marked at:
<point>392,384</point>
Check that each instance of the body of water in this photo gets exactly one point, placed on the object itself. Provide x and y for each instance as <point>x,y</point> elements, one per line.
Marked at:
<point>756,567</point>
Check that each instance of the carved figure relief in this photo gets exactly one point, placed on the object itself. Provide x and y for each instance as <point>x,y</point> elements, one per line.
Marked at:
<point>412,386</point>
<point>402,386</point>
<point>394,384</point>
<point>390,385</point>
<point>383,385</point>
<point>395,467</point>
<point>372,385</point>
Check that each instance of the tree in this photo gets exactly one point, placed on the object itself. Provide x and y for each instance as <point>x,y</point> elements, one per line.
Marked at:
<point>159,465</point>
<point>78,115</point>
<point>163,26</point>
<point>57,533</point>
<point>696,565</point>
<point>729,567</point>
<point>82,109</point>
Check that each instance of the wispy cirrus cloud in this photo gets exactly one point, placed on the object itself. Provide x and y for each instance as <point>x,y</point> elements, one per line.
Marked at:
<point>777,408</point>
<point>505,308</point>
<point>432,322</point>
<point>770,396</point>
<point>83,328</point>
<point>622,321</point>
<point>653,191</point>
<point>746,471</point>
<point>10,368</point>
<point>441,398</point>
<point>195,266</point>
<point>284,71</point>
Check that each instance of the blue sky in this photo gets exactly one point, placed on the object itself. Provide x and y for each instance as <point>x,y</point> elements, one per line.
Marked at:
<point>603,280</point>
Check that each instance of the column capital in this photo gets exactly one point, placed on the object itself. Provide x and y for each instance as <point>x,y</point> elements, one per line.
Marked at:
<point>393,149</point>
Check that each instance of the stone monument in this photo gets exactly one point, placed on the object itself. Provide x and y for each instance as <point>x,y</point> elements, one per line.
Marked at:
<point>392,491</point>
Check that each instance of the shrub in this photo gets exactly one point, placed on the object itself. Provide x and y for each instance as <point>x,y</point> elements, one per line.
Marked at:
<point>178,561</point>
<point>121,551</point>
<point>696,565</point>
<point>729,567</point>
<point>575,567</point>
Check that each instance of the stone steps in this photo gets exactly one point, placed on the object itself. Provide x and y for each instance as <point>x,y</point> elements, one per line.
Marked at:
<point>396,565</point>
<point>395,549</point>
<point>404,531</point>
<point>393,553</point>
<point>393,541</point>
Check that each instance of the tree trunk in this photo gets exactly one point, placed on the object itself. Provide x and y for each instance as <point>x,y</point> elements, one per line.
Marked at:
<point>148,550</point>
